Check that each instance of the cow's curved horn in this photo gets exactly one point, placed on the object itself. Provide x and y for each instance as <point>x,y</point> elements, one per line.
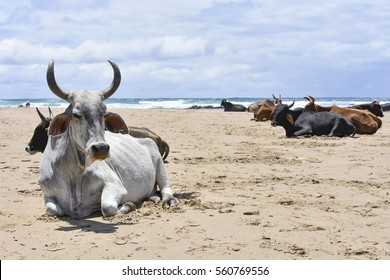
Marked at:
<point>115,82</point>
<point>292,104</point>
<point>310,98</point>
<point>273,96</point>
<point>51,81</point>
<point>43,119</point>
<point>50,113</point>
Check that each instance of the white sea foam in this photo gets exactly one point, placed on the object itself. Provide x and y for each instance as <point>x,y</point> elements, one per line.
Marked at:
<point>183,103</point>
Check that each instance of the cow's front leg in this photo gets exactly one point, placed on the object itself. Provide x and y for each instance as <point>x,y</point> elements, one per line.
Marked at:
<point>303,132</point>
<point>111,198</point>
<point>127,208</point>
<point>112,210</point>
<point>52,208</point>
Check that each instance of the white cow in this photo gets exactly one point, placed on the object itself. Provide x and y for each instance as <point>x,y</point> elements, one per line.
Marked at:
<point>85,168</point>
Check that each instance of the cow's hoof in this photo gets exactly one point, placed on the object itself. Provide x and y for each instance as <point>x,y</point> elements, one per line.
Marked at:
<point>109,211</point>
<point>170,202</point>
<point>155,198</point>
<point>52,209</point>
<point>127,208</point>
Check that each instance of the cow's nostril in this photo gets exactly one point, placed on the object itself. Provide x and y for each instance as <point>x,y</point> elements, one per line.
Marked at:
<point>100,151</point>
<point>100,148</point>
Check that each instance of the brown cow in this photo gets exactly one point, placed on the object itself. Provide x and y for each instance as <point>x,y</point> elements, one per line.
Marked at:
<point>252,108</point>
<point>143,132</point>
<point>265,112</point>
<point>364,121</point>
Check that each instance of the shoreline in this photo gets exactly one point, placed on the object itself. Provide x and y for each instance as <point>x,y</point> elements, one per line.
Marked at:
<point>245,190</point>
<point>188,103</point>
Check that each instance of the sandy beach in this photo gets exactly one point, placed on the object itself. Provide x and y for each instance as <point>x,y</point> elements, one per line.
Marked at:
<point>245,190</point>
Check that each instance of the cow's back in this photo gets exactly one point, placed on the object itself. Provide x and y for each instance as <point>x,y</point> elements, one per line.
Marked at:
<point>364,121</point>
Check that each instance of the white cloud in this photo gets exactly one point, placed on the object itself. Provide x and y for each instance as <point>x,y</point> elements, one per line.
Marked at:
<point>68,4</point>
<point>179,46</point>
<point>142,68</point>
<point>21,51</point>
<point>172,74</point>
<point>222,71</point>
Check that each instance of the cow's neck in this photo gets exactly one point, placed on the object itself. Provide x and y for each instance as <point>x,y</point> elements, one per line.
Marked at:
<point>289,128</point>
<point>323,109</point>
<point>75,152</point>
<point>75,158</point>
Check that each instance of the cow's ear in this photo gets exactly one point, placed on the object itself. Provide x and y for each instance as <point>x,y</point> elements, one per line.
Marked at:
<point>59,124</point>
<point>290,119</point>
<point>115,123</point>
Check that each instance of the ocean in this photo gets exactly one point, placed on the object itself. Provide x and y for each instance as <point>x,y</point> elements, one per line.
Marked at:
<point>184,103</point>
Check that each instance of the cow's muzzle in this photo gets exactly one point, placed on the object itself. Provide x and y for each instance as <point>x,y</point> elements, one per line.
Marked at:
<point>99,151</point>
<point>30,150</point>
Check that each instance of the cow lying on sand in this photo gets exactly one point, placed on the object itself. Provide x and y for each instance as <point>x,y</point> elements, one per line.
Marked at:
<point>265,112</point>
<point>311,123</point>
<point>85,168</point>
<point>364,121</point>
<point>230,107</point>
<point>374,107</point>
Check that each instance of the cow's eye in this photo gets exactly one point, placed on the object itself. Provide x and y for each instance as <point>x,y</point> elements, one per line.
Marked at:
<point>76,116</point>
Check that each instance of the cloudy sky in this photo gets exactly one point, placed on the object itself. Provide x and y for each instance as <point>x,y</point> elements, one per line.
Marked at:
<point>202,48</point>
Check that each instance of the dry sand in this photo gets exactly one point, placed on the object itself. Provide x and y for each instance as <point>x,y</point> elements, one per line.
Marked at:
<point>245,191</point>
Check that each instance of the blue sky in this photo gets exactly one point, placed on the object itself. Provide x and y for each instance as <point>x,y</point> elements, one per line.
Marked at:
<point>202,48</point>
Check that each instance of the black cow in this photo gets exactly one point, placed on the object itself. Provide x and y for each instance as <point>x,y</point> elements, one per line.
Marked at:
<point>39,140</point>
<point>230,107</point>
<point>312,123</point>
<point>374,107</point>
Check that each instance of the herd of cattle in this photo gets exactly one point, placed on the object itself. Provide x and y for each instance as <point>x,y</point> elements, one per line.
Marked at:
<point>314,119</point>
<point>92,161</point>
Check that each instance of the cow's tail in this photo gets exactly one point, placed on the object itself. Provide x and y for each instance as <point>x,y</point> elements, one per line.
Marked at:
<point>166,149</point>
